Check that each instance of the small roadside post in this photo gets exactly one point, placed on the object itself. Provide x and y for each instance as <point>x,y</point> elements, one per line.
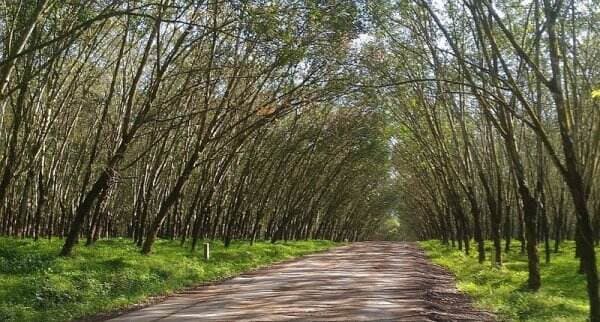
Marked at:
<point>206,251</point>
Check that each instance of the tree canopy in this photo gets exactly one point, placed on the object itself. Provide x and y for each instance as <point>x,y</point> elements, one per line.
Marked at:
<point>459,120</point>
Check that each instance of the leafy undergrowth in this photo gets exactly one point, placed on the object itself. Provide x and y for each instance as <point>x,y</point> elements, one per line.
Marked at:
<point>562,296</point>
<point>37,285</point>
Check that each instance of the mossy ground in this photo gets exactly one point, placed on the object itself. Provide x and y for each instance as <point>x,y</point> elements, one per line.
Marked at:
<point>562,297</point>
<point>37,285</point>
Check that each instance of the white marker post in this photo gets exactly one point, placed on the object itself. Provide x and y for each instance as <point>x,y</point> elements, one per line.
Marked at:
<point>206,251</point>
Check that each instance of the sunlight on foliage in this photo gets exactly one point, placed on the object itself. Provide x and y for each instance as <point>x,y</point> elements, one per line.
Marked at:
<point>37,285</point>
<point>562,296</point>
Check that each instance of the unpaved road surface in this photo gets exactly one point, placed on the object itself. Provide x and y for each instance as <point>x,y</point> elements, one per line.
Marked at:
<point>370,281</point>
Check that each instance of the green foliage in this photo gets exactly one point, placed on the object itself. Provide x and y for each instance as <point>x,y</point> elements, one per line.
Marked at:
<point>37,285</point>
<point>562,296</point>
<point>391,229</point>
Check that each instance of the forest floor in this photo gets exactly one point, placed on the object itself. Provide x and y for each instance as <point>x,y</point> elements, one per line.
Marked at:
<point>375,281</point>
<point>562,296</point>
<point>37,285</point>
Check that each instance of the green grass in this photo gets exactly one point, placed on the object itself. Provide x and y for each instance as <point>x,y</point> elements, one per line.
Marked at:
<point>562,296</point>
<point>37,285</point>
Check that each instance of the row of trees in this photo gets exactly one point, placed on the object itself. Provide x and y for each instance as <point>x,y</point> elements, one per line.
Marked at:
<point>497,130</point>
<point>273,120</point>
<point>184,119</point>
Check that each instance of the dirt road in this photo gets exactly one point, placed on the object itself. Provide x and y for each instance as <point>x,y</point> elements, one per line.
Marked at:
<point>370,281</point>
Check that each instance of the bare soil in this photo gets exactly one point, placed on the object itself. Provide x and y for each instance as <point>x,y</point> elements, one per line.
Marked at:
<point>368,281</point>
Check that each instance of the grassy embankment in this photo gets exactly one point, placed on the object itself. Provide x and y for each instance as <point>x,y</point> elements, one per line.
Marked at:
<point>562,296</point>
<point>37,285</point>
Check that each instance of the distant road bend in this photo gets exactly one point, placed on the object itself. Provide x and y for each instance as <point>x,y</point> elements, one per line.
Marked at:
<point>368,281</point>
